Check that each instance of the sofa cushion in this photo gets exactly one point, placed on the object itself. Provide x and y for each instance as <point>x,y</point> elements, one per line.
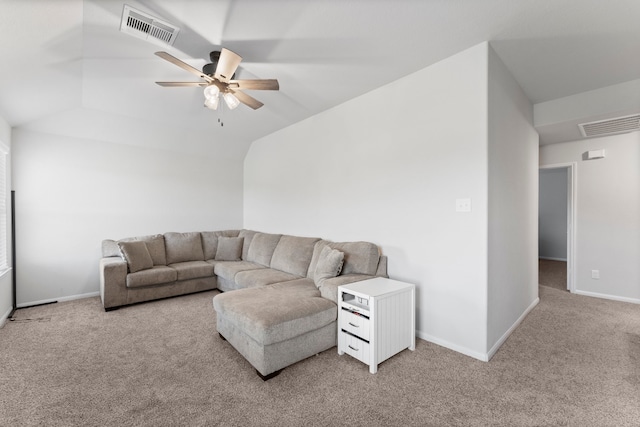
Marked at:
<point>293,254</point>
<point>262,247</point>
<point>228,269</point>
<point>329,264</point>
<point>210,241</point>
<point>192,269</point>
<point>262,277</point>
<point>276,313</point>
<point>154,276</point>
<point>247,235</point>
<point>359,257</point>
<point>229,248</point>
<point>155,246</point>
<point>136,255</point>
<point>183,247</point>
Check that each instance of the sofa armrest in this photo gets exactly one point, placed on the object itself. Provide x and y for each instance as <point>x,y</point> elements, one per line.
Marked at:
<point>329,287</point>
<point>113,282</point>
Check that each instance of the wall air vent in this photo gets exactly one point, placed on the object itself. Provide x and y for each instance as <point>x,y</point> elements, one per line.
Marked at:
<point>611,126</point>
<point>144,26</point>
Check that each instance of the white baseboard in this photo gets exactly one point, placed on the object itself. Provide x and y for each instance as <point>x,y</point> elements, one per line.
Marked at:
<point>4,317</point>
<point>61,299</point>
<point>513,327</point>
<point>454,347</point>
<point>552,259</point>
<point>484,357</point>
<point>606,296</point>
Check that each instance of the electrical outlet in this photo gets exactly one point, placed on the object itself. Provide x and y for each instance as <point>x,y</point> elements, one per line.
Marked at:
<point>463,205</point>
<point>595,274</point>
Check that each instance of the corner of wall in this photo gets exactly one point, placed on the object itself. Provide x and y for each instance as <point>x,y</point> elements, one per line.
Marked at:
<point>512,204</point>
<point>6,280</point>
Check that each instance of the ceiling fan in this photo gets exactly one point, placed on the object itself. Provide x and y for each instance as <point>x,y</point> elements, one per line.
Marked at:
<point>218,81</point>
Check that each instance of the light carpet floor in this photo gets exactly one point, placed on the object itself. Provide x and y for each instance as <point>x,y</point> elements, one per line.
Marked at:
<point>552,273</point>
<point>574,361</point>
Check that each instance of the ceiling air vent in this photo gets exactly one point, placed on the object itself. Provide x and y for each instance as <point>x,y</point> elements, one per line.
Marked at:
<point>611,126</point>
<point>144,26</point>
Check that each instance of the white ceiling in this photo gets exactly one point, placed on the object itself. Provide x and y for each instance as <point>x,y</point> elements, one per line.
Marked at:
<point>66,60</point>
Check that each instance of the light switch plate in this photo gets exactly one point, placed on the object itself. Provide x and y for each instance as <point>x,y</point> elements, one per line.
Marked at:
<point>463,205</point>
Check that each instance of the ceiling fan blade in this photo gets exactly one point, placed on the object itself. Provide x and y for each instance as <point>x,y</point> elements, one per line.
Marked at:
<point>183,65</point>
<point>181,84</point>
<point>266,84</point>
<point>247,100</point>
<point>227,65</point>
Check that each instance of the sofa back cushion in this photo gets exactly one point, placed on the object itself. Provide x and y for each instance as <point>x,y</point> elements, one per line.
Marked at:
<point>262,247</point>
<point>293,254</point>
<point>183,247</point>
<point>156,248</point>
<point>247,236</point>
<point>210,241</point>
<point>229,248</point>
<point>359,257</point>
<point>154,242</point>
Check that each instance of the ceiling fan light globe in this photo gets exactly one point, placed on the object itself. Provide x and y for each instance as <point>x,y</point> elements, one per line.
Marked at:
<point>231,101</point>
<point>212,103</point>
<point>211,92</point>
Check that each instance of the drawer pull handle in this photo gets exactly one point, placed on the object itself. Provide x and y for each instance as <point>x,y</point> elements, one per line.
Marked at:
<point>355,326</point>
<point>354,349</point>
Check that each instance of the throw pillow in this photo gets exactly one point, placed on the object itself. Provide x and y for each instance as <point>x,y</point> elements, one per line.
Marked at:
<point>329,265</point>
<point>229,248</point>
<point>137,255</point>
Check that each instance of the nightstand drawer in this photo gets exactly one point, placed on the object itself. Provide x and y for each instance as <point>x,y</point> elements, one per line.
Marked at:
<point>354,347</point>
<point>355,324</point>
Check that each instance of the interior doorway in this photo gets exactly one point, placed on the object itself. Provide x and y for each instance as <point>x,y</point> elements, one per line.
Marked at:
<point>552,273</point>
<point>556,225</point>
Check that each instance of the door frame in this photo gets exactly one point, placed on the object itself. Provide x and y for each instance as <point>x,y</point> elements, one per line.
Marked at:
<point>572,208</point>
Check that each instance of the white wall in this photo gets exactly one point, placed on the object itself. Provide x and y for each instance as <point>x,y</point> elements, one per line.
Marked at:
<point>71,193</point>
<point>552,214</point>
<point>6,294</point>
<point>513,202</point>
<point>387,167</point>
<point>608,213</point>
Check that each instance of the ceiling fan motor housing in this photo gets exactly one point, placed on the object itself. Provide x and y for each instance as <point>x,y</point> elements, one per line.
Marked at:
<point>214,56</point>
<point>210,69</point>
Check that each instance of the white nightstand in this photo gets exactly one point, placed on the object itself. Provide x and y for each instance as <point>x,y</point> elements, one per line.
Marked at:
<point>376,319</point>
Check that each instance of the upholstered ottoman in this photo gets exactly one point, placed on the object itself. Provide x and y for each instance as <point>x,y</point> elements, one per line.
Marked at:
<point>277,325</point>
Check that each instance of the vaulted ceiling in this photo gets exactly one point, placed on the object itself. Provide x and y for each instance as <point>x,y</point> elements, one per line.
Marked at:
<point>66,60</point>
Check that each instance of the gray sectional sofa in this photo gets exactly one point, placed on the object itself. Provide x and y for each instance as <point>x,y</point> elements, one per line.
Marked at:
<point>282,307</point>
